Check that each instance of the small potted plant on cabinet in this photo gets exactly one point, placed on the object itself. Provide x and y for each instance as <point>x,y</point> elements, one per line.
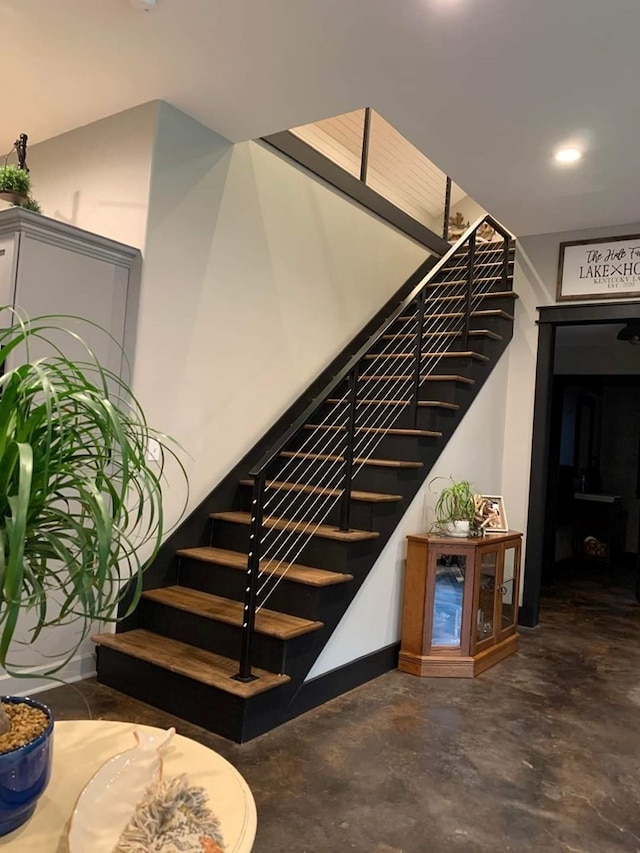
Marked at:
<point>81,516</point>
<point>455,508</point>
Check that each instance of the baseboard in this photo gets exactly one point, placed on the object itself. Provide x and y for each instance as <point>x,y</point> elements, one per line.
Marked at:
<point>344,678</point>
<point>80,667</point>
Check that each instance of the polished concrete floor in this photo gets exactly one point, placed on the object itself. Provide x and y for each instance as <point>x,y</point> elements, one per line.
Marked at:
<point>541,753</point>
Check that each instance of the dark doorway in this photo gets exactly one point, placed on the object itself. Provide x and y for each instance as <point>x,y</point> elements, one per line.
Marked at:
<point>584,507</point>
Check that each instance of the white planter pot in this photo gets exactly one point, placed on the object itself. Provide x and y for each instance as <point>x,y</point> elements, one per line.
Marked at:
<point>458,529</point>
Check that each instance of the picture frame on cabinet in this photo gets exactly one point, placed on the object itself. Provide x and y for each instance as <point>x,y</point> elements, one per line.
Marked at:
<point>491,515</point>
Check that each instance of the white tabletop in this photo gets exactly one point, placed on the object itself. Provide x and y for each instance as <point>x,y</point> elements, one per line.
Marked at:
<point>80,747</point>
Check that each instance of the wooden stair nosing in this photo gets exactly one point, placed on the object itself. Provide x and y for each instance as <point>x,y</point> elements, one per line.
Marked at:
<point>426,403</point>
<point>271,623</point>
<point>376,463</point>
<point>430,377</point>
<point>295,572</point>
<point>419,433</point>
<point>475,333</point>
<point>364,497</point>
<point>448,354</point>
<point>322,531</point>
<point>206,667</point>
<point>490,312</point>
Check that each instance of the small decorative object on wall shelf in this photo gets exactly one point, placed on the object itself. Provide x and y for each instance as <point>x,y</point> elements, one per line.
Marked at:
<point>490,515</point>
<point>455,508</point>
<point>608,268</point>
<point>457,226</point>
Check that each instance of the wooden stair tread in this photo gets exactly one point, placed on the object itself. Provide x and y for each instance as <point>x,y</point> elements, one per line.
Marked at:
<point>365,497</point>
<point>425,403</point>
<point>439,404</point>
<point>294,572</point>
<point>475,333</point>
<point>490,312</point>
<point>208,668</point>
<point>448,354</point>
<point>324,531</point>
<point>376,463</point>
<point>272,623</point>
<point>430,377</point>
<point>476,356</point>
<point>420,433</point>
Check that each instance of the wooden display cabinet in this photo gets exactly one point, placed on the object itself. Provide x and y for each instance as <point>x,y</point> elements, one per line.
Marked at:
<point>460,604</point>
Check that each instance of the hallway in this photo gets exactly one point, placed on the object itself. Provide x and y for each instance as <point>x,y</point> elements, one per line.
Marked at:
<point>541,753</point>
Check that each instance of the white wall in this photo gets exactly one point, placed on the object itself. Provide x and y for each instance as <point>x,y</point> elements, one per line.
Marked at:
<point>255,276</point>
<point>97,177</point>
<point>473,453</point>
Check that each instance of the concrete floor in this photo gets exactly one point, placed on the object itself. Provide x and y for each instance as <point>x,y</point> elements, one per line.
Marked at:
<point>541,753</point>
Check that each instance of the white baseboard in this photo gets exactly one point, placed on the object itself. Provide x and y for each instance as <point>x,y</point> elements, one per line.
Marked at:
<point>78,668</point>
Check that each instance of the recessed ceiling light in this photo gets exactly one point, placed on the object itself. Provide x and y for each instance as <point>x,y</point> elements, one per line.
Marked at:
<point>568,155</point>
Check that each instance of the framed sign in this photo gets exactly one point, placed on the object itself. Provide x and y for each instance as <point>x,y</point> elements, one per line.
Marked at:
<point>608,268</point>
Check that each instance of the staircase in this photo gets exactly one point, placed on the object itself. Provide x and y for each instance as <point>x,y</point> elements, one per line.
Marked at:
<point>232,620</point>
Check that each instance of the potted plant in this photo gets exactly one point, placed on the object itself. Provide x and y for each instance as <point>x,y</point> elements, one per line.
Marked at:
<point>455,508</point>
<point>15,184</point>
<point>15,188</point>
<point>81,516</point>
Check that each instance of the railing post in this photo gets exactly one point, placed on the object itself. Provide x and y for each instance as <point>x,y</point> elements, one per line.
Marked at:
<point>345,505</point>
<point>505,264</point>
<point>467,302</point>
<point>253,572</point>
<point>447,210</point>
<point>417,361</point>
<point>366,132</point>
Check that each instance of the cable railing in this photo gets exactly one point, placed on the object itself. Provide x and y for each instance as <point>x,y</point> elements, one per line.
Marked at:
<point>316,460</point>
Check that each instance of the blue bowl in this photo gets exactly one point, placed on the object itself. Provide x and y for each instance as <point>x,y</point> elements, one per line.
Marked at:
<point>24,774</point>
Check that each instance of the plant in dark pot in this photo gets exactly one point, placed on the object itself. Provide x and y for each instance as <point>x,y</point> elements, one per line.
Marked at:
<point>81,516</point>
<point>455,508</point>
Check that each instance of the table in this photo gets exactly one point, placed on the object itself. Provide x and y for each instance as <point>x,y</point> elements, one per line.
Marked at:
<point>80,747</point>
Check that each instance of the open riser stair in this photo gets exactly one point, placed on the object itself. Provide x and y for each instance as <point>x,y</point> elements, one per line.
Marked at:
<point>257,579</point>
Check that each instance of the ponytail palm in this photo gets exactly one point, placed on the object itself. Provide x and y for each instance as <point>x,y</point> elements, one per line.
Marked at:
<point>81,511</point>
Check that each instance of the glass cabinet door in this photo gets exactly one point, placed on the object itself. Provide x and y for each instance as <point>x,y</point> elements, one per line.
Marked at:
<point>509,591</point>
<point>448,597</point>
<point>485,623</point>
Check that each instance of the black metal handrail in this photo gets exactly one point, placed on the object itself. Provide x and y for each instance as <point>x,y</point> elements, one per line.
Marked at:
<point>332,452</point>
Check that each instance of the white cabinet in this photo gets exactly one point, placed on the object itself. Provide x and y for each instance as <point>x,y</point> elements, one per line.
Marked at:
<point>49,267</point>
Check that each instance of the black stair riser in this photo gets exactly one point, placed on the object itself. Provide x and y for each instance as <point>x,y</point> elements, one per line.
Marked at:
<point>219,637</point>
<point>214,710</point>
<point>298,599</point>
<point>363,514</point>
<point>386,446</point>
<point>320,553</point>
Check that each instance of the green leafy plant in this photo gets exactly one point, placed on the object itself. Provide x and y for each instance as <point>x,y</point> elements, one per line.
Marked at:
<point>455,503</point>
<point>81,509</point>
<point>30,204</point>
<point>14,180</point>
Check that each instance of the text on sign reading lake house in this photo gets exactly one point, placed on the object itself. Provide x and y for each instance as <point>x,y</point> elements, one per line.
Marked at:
<point>599,269</point>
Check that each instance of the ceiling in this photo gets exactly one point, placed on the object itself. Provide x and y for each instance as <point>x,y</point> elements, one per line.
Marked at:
<point>486,88</point>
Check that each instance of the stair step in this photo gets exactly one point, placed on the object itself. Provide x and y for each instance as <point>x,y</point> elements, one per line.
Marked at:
<point>271,623</point>
<point>460,282</point>
<point>421,403</point>
<point>419,433</point>
<point>293,572</point>
<point>190,661</point>
<point>473,333</point>
<point>449,354</point>
<point>365,497</point>
<point>376,463</point>
<point>431,377</point>
<point>323,531</point>
<point>490,312</point>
